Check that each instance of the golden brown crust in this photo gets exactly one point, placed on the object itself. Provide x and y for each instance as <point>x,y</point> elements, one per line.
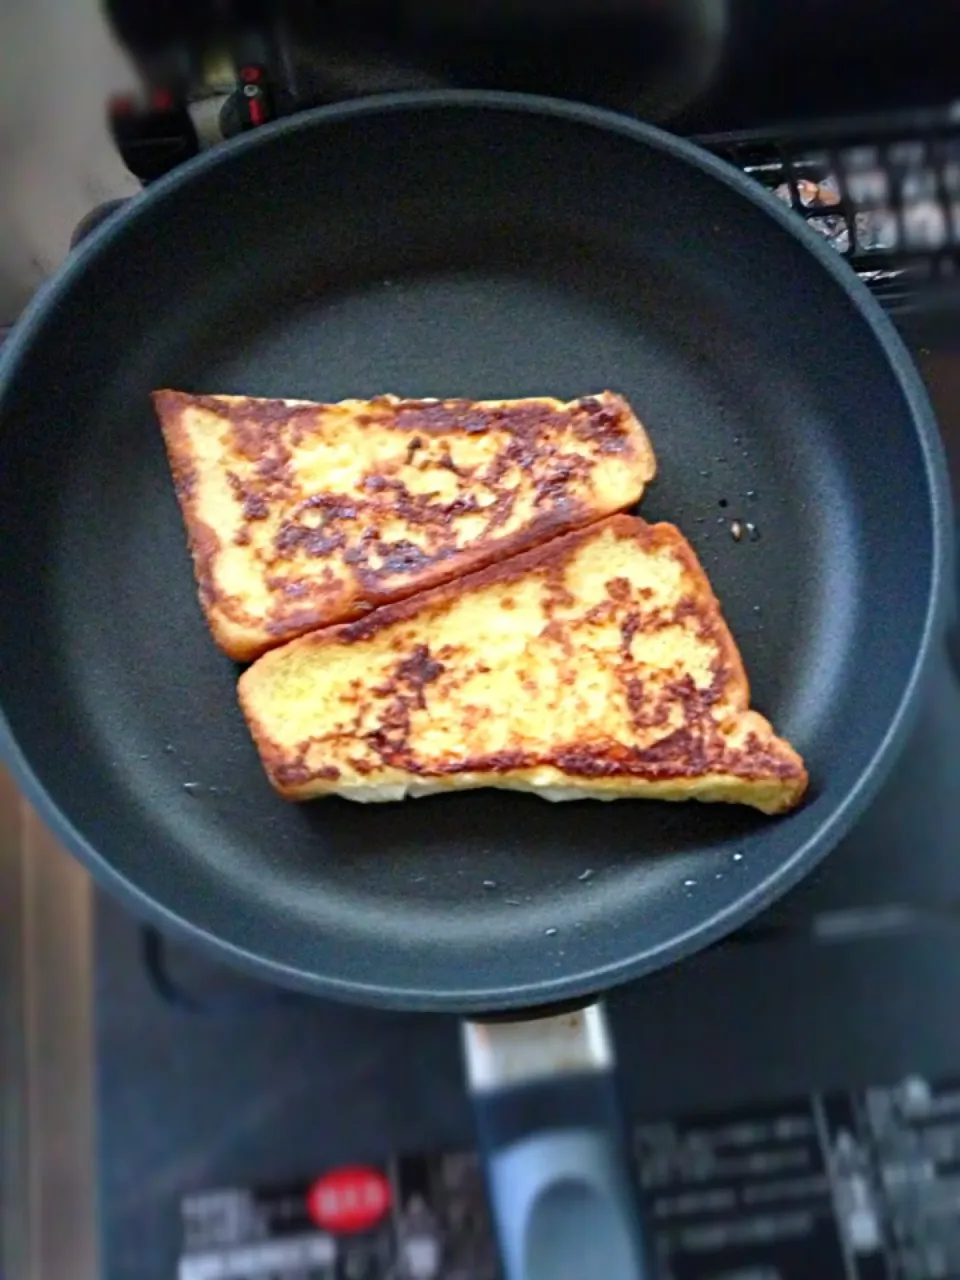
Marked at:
<point>435,706</point>
<point>317,534</point>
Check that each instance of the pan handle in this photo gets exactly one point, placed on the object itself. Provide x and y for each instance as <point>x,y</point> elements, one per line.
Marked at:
<point>551,1131</point>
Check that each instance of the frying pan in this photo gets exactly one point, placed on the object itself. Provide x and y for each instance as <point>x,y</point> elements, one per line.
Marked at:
<point>483,246</point>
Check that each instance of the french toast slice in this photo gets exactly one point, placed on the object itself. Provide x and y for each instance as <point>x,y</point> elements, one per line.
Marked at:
<point>300,515</point>
<point>598,665</point>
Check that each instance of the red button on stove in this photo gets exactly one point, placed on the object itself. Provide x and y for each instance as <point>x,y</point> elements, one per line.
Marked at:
<point>349,1200</point>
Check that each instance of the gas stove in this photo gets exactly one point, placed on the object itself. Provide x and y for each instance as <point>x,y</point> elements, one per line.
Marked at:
<point>142,1081</point>
<point>255,1088</point>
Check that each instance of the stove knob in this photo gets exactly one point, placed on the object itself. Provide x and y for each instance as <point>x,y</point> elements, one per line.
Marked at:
<point>248,106</point>
<point>152,137</point>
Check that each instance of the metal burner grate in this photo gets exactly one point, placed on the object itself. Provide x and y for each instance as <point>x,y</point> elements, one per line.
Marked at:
<point>883,190</point>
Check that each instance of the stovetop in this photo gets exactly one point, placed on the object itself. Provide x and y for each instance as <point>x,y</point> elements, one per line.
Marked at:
<point>136,1071</point>
<point>203,1078</point>
<point>207,1079</point>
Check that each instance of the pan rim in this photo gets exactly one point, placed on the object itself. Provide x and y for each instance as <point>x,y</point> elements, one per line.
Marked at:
<point>837,823</point>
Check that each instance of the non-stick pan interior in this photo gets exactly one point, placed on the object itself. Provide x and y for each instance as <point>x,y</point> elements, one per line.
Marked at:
<point>477,251</point>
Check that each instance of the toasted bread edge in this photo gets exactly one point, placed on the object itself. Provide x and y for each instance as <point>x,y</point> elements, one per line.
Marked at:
<point>237,636</point>
<point>769,795</point>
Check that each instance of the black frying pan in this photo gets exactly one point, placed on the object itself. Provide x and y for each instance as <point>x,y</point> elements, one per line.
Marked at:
<point>478,246</point>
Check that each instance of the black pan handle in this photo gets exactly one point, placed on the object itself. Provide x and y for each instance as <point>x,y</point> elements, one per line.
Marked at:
<point>551,1130</point>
